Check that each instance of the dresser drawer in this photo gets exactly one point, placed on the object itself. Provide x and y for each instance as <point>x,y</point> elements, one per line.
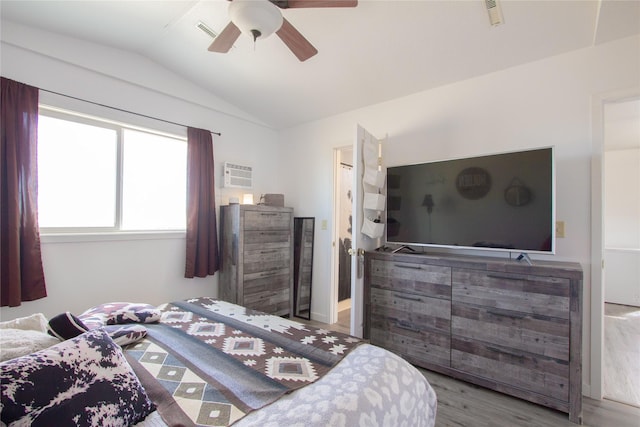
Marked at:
<point>417,278</point>
<point>416,344</point>
<point>266,282</point>
<point>536,334</point>
<point>415,311</point>
<point>268,256</point>
<point>258,270</point>
<point>539,374</point>
<point>258,239</point>
<point>257,220</point>
<point>546,296</point>
<point>273,301</point>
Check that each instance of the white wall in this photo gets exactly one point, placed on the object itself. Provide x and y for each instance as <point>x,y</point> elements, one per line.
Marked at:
<point>622,226</point>
<point>544,103</point>
<point>622,202</point>
<point>82,272</point>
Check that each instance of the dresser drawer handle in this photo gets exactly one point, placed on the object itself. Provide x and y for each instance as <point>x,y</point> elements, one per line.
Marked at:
<point>268,214</point>
<point>510,315</point>
<point>406,326</point>
<point>234,249</point>
<point>502,351</point>
<point>269,251</point>
<point>267,273</point>
<point>406,297</point>
<point>499,276</point>
<point>411,267</point>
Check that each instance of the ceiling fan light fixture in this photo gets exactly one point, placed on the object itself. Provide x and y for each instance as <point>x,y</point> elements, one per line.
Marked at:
<point>255,18</point>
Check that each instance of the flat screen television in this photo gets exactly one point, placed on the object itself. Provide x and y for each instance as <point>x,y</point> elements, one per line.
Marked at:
<point>498,202</point>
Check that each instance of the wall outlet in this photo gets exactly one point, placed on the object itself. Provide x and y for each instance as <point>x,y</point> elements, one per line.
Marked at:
<point>560,229</point>
<point>323,224</point>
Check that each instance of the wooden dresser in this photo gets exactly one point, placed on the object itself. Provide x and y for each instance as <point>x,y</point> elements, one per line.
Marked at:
<point>501,324</point>
<point>257,257</point>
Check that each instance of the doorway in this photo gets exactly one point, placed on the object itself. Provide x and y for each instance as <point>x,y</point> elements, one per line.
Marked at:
<point>621,242</point>
<point>344,218</point>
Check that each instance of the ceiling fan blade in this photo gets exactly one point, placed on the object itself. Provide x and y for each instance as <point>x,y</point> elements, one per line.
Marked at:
<point>295,41</point>
<point>225,40</point>
<point>290,4</point>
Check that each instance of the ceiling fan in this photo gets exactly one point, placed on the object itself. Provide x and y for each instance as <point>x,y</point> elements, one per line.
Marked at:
<point>261,18</point>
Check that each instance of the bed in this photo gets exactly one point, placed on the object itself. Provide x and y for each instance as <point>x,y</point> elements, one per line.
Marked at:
<point>206,362</point>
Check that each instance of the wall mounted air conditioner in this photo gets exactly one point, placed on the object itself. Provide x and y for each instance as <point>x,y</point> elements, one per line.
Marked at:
<point>495,12</point>
<point>237,176</point>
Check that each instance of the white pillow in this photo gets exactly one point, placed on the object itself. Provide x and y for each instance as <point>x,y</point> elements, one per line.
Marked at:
<point>35,322</point>
<point>19,342</point>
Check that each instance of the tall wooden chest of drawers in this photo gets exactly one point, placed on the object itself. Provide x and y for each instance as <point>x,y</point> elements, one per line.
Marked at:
<point>257,257</point>
<point>502,324</point>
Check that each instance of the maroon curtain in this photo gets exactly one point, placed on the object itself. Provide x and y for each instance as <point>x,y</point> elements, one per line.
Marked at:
<point>22,277</point>
<point>202,235</point>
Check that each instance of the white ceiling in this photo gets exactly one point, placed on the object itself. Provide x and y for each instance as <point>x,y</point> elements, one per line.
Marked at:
<point>380,50</point>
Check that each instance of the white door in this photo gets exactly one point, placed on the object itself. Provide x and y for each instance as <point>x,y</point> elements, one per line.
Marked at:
<point>366,232</point>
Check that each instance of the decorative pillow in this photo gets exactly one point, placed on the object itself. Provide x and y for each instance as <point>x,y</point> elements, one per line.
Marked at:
<point>117,313</point>
<point>35,322</point>
<point>125,334</point>
<point>82,381</point>
<point>19,342</point>
<point>66,326</point>
<point>93,320</point>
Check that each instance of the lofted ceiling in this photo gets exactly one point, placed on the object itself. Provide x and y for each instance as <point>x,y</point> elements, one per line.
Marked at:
<point>377,51</point>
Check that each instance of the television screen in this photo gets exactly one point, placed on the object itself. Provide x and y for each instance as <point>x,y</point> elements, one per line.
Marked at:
<point>498,202</point>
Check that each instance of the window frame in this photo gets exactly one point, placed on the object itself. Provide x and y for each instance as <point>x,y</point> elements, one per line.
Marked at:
<point>71,234</point>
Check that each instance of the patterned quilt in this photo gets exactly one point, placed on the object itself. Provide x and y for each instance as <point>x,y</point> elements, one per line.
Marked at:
<point>209,362</point>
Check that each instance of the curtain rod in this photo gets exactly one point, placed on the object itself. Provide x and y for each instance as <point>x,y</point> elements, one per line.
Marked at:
<point>122,110</point>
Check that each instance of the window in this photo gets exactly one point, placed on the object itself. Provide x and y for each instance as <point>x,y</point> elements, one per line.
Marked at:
<point>96,175</point>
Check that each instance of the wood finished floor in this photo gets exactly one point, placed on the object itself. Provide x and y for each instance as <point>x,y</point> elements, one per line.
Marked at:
<point>464,404</point>
<point>621,379</point>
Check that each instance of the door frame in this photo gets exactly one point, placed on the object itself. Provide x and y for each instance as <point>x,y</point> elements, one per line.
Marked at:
<point>594,390</point>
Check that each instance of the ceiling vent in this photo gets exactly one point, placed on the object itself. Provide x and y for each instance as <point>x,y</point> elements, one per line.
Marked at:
<point>236,176</point>
<point>495,12</point>
<point>205,28</point>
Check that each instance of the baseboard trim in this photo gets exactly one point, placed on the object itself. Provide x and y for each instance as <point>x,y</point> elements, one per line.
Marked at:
<point>344,305</point>
<point>319,317</point>
<point>586,391</point>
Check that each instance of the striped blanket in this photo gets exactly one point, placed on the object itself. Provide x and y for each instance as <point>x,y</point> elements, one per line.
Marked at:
<point>209,362</point>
